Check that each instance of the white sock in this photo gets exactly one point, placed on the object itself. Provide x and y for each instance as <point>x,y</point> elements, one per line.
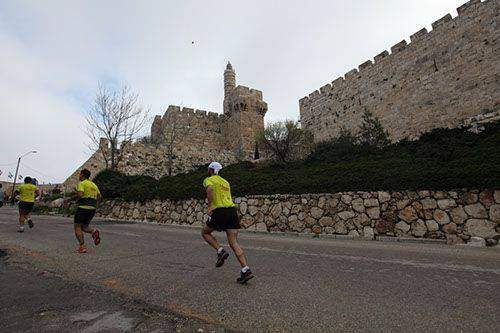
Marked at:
<point>245,269</point>
<point>220,249</point>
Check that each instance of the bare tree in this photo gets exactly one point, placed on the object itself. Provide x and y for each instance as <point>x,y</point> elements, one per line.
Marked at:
<point>285,140</point>
<point>118,117</point>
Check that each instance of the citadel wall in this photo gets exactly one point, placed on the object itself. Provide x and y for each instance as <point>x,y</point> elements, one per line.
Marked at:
<point>150,160</point>
<point>441,78</point>
<point>188,127</point>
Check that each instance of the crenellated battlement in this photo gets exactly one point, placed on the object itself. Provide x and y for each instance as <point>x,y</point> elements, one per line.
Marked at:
<point>389,82</point>
<point>442,25</point>
<point>190,112</point>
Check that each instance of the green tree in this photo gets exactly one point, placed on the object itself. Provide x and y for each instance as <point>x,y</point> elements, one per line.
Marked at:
<point>372,133</point>
<point>285,140</point>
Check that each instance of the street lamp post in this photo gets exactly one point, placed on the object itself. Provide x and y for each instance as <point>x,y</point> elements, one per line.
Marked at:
<point>17,169</point>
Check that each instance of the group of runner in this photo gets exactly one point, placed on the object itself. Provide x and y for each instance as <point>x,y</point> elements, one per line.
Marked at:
<point>222,214</point>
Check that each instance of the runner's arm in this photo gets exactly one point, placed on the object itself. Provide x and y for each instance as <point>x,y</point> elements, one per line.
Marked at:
<point>210,197</point>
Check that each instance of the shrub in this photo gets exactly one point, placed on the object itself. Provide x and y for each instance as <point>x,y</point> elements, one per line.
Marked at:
<point>442,159</point>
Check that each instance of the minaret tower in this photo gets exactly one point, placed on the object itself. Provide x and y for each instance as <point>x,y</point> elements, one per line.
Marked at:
<point>229,83</point>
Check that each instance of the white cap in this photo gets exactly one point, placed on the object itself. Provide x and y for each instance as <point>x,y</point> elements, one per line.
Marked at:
<point>216,166</point>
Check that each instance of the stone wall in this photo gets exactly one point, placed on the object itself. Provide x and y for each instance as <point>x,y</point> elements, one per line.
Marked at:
<point>439,79</point>
<point>187,128</point>
<point>452,215</point>
<point>151,160</point>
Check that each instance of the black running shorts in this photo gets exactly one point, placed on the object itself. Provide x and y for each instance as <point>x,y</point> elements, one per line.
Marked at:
<point>224,218</point>
<point>25,207</point>
<point>84,216</point>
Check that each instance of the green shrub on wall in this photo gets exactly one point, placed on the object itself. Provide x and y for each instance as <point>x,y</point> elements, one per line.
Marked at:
<point>442,159</point>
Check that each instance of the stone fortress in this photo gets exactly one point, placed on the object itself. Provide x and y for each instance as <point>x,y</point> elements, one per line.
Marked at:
<point>442,78</point>
<point>184,138</point>
<point>446,77</point>
<point>234,130</point>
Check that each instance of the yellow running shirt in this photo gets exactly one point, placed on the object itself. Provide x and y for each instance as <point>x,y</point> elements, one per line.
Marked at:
<point>90,194</point>
<point>222,191</point>
<point>27,192</point>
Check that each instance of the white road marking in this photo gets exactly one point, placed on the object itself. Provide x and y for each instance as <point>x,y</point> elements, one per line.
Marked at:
<point>121,233</point>
<point>443,266</point>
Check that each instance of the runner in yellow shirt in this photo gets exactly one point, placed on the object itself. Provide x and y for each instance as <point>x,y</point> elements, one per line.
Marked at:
<point>223,216</point>
<point>27,193</point>
<point>87,193</point>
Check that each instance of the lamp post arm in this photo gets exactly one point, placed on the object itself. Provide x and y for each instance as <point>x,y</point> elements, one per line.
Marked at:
<point>15,179</point>
<point>17,170</point>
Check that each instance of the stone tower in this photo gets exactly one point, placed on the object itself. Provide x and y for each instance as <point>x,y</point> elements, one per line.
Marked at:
<point>229,83</point>
<point>244,111</point>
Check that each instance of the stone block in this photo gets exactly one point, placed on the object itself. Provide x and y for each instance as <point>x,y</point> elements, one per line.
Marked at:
<point>373,212</point>
<point>476,242</point>
<point>446,204</point>
<point>476,211</point>
<point>408,214</point>
<point>368,233</point>
<point>345,215</point>
<point>358,205</point>
<point>418,228</point>
<point>458,215</point>
<point>372,202</point>
<point>429,203</point>
<point>495,213</point>
<point>326,221</point>
<point>480,228</point>
<point>383,196</point>
<point>403,226</point>
<point>441,217</point>
<point>340,228</point>
<point>432,225</point>
<point>316,212</point>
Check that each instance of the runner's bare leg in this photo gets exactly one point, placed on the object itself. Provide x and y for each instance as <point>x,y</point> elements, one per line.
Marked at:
<point>22,218</point>
<point>232,238</point>
<point>79,234</point>
<point>206,233</point>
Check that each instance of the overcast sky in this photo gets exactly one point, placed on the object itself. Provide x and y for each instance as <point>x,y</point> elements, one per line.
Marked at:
<point>54,53</point>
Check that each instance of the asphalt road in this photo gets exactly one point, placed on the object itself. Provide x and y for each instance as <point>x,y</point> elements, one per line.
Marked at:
<point>301,285</point>
<point>40,301</point>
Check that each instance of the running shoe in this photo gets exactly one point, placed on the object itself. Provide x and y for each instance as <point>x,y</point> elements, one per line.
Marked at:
<point>30,223</point>
<point>81,249</point>
<point>245,277</point>
<point>96,237</point>
<point>221,258</point>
